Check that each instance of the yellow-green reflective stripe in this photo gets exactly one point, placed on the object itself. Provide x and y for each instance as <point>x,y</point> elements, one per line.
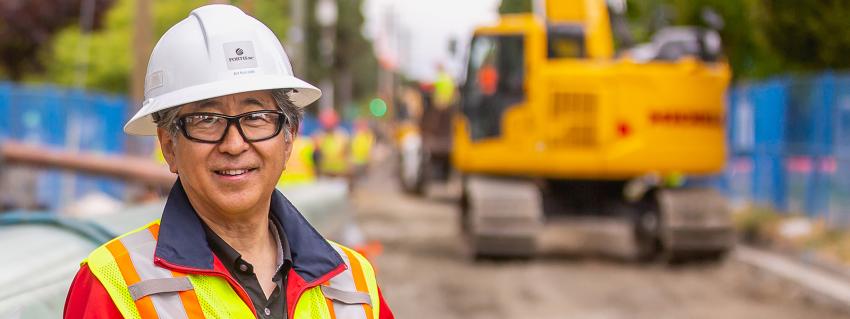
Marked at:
<point>312,305</point>
<point>218,299</point>
<point>104,267</point>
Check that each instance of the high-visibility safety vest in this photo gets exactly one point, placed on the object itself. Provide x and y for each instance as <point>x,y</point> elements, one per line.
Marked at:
<point>361,147</point>
<point>141,289</point>
<point>444,90</point>
<point>333,147</point>
<point>300,168</point>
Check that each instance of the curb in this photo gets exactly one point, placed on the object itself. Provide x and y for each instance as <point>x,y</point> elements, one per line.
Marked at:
<point>818,282</point>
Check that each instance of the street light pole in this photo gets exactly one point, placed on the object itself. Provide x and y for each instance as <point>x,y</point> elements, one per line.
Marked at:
<point>326,15</point>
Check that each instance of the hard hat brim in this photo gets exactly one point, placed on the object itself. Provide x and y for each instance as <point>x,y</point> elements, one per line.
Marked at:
<point>142,123</point>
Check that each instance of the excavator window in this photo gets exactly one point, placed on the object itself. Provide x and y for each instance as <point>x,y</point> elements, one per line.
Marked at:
<point>495,81</point>
<point>565,41</point>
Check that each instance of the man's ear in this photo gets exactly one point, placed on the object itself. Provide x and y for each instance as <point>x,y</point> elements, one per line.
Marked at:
<point>166,144</point>
<point>287,149</point>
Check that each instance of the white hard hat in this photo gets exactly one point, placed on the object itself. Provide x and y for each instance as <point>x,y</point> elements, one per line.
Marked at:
<point>216,51</point>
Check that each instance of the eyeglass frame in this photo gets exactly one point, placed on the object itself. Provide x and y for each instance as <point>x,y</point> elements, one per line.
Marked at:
<point>231,119</point>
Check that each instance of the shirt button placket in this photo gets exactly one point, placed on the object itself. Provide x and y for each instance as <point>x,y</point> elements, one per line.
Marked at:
<point>267,311</point>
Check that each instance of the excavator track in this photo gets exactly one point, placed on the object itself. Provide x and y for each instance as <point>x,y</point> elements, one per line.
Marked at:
<point>501,216</point>
<point>696,224</point>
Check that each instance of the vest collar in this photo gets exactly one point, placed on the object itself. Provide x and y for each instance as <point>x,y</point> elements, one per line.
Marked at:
<point>182,241</point>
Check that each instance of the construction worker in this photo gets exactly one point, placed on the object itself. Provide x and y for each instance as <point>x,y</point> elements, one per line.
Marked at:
<point>300,169</point>
<point>488,77</point>
<point>361,148</point>
<point>333,144</point>
<point>221,97</point>
<point>444,89</point>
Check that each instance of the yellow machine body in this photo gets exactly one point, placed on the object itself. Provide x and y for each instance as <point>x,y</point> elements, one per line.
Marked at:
<point>598,116</point>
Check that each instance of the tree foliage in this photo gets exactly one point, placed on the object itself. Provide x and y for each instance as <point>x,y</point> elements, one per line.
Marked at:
<point>110,48</point>
<point>812,35</point>
<point>514,6</point>
<point>29,26</point>
<point>760,37</point>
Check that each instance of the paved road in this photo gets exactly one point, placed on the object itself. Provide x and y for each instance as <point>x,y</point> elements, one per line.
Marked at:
<point>425,273</point>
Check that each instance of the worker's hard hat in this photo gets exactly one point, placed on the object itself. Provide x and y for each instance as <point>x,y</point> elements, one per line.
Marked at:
<point>218,50</point>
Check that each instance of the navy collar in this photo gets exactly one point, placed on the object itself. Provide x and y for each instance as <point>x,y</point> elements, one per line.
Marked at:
<point>183,242</point>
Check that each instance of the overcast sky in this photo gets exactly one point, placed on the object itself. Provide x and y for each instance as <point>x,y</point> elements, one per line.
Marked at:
<point>423,29</point>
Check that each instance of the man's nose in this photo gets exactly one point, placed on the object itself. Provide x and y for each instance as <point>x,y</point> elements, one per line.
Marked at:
<point>233,142</point>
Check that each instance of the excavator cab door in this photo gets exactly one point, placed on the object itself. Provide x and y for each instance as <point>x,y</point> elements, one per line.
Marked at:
<point>494,82</point>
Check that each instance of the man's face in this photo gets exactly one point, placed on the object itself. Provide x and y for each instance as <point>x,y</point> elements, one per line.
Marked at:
<point>233,177</point>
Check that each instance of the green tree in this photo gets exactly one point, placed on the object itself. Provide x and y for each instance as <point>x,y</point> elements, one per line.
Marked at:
<point>29,26</point>
<point>515,6</point>
<point>110,48</point>
<point>812,35</point>
<point>744,43</point>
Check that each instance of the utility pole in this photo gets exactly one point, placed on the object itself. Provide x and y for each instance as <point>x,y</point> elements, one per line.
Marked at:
<point>326,15</point>
<point>141,51</point>
<point>295,36</point>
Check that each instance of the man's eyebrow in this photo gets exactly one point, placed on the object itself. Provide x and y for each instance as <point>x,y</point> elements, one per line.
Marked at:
<point>206,103</point>
<point>252,100</point>
<point>257,102</point>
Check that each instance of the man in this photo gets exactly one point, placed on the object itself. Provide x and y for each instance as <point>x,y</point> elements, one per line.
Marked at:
<point>221,97</point>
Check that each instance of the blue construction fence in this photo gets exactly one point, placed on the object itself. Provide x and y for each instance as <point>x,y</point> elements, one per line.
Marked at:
<point>789,145</point>
<point>64,118</point>
<point>67,118</point>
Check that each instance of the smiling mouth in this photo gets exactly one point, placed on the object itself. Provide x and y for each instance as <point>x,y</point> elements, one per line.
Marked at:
<point>234,172</point>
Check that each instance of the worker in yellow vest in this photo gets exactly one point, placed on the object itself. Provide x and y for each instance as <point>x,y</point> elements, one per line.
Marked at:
<point>300,169</point>
<point>221,96</point>
<point>333,144</point>
<point>361,148</point>
<point>444,89</point>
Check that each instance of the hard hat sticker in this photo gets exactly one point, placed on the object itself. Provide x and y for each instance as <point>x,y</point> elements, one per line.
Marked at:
<point>240,55</point>
<point>154,80</point>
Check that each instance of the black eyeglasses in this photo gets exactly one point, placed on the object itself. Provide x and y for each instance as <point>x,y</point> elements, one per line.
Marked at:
<point>212,127</point>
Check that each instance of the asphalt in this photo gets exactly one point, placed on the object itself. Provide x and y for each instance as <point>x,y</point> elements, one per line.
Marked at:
<point>425,272</point>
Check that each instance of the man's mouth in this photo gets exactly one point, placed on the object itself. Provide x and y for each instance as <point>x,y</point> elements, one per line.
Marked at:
<point>234,172</point>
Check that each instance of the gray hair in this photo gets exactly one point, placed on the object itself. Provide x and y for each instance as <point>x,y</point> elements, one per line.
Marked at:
<point>167,118</point>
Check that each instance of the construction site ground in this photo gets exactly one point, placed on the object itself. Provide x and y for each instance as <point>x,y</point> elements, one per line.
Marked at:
<point>425,272</point>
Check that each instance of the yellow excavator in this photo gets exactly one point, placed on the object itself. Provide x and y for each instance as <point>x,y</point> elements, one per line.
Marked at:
<point>565,142</point>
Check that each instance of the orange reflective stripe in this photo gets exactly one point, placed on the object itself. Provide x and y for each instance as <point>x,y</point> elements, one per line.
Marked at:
<point>330,304</point>
<point>190,300</point>
<point>359,280</point>
<point>122,258</point>
<point>329,301</point>
<point>154,229</point>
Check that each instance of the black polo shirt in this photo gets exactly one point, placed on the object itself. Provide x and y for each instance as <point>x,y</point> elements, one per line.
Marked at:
<point>273,307</point>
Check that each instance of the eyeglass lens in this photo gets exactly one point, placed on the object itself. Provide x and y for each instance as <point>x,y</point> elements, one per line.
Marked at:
<point>211,128</point>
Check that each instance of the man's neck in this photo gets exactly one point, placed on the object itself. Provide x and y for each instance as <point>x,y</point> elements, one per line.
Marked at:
<point>248,236</point>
